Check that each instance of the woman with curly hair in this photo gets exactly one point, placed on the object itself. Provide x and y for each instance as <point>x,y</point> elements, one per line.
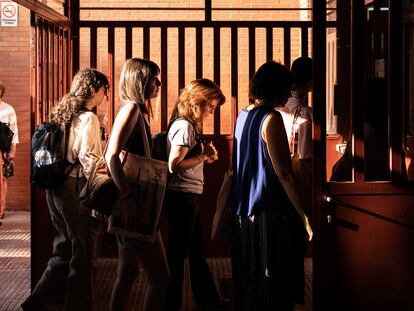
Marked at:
<point>68,277</point>
<point>187,155</point>
<point>138,85</point>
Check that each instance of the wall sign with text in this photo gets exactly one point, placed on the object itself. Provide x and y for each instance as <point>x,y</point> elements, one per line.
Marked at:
<point>9,14</point>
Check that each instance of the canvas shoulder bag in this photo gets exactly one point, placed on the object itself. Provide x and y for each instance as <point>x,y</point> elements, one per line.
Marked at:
<point>148,177</point>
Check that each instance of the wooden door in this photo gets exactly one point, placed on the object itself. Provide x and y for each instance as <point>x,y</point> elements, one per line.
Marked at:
<point>51,75</point>
<point>364,221</point>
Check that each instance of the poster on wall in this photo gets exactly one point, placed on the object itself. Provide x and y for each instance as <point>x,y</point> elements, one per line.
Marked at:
<point>9,14</point>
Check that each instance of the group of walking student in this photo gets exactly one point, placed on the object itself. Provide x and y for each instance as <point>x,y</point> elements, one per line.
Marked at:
<point>269,223</point>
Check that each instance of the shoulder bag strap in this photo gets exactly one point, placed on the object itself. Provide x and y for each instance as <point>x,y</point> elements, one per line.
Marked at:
<point>144,135</point>
<point>293,141</point>
<point>143,131</point>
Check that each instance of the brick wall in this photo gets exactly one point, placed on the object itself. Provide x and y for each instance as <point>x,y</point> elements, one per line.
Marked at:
<point>15,73</point>
<point>249,11</point>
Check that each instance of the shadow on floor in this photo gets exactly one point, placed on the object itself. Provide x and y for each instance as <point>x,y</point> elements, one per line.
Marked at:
<point>15,272</point>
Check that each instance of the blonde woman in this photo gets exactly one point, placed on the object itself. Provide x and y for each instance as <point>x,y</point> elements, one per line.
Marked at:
<point>138,84</point>
<point>68,276</point>
<point>187,156</point>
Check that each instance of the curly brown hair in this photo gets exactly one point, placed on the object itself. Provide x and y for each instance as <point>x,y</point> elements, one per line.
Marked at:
<point>85,83</point>
<point>194,98</point>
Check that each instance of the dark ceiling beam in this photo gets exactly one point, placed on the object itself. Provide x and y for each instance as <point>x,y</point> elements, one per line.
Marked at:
<point>46,12</point>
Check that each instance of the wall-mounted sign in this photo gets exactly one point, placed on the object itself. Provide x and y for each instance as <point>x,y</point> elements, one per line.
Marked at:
<point>9,14</point>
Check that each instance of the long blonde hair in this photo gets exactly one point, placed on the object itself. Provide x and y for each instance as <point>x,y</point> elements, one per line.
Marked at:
<point>85,83</point>
<point>194,98</point>
<point>135,81</point>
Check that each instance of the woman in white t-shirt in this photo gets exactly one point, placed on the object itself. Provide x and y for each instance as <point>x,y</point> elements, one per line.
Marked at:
<point>8,116</point>
<point>68,277</point>
<point>187,155</point>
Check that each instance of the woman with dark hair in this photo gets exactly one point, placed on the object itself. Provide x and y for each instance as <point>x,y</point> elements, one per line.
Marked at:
<point>138,85</point>
<point>269,217</point>
<point>187,156</point>
<point>68,277</point>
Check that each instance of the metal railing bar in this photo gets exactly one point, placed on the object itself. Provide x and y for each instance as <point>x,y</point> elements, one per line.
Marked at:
<point>252,51</point>
<point>93,47</point>
<point>217,70</point>
<point>60,62</point>
<point>194,9</point>
<point>128,42</point>
<point>181,58</point>
<point>286,47</point>
<point>199,52</point>
<point>234,74</point>
<point>146,44</point>
<point>164,78</point>
<point>304,40</point>
<point>46,98</point>
<point>52,61</point>
<point>111,74</point>
<point>208,10</point>
<point>269,43</point>
<point>204,24</point>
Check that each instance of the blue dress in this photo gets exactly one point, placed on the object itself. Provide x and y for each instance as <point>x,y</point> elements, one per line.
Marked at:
<point>256,187</point>
<point>269,250</point>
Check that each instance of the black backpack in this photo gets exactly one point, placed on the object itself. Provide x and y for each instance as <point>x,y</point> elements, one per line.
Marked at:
<point>6,137</point>
<point>159,145</point>
<point>51,137</point>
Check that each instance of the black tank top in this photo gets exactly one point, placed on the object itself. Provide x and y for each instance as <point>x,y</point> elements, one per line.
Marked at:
<point>134,143</point>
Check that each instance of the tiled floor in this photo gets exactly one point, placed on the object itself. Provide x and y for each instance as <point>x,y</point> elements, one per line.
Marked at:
<point>15,272</point>
<point>14,260</point>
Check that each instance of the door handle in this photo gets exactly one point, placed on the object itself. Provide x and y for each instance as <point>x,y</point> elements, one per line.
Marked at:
<point>330,201</point>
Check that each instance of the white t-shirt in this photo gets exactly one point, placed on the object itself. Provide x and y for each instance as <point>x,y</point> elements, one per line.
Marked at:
<point>303,125</point>
<point>182,133</point>
<point>8,115</point>
<point>84,142</point>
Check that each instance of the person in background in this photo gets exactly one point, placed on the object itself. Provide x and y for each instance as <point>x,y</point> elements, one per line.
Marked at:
<point>138,85</point>
<point>8,116</point>
<point>297,118</point>
<point>68,277</point>
<point>270,222</point>
<point>187,156</point>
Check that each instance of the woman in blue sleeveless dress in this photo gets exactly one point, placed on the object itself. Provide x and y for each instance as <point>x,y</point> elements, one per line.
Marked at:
<point>270,222</point>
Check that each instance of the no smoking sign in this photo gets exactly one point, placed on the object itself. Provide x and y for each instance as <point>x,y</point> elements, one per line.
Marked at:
<point>9,14</point>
